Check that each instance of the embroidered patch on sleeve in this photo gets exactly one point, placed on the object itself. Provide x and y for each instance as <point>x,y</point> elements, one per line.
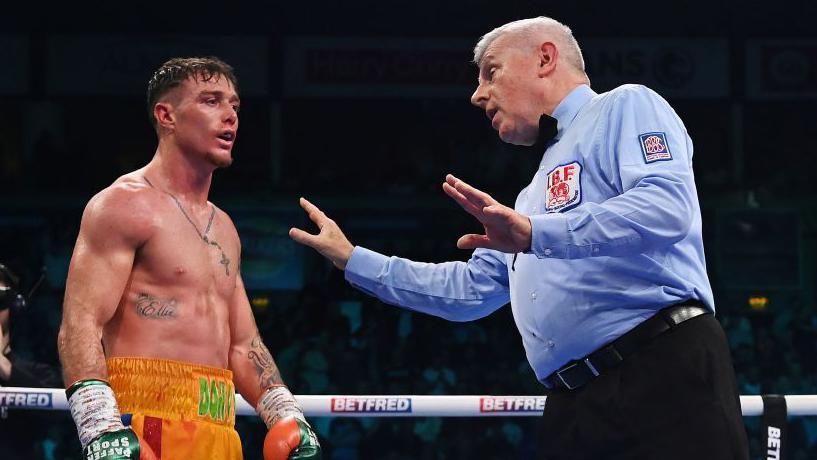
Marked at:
<point>654,146</point>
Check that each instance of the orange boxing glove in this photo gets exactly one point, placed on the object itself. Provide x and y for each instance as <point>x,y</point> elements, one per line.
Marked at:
<point>289,437</point>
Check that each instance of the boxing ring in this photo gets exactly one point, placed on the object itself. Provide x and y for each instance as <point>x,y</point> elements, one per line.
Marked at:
<point>774,409</point>
<point>396,405</point>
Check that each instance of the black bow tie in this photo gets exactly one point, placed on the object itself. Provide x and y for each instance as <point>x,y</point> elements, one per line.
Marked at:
<point>548,128</point>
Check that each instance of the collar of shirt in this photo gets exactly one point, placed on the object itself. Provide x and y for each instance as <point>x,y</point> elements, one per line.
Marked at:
<point>569,107</point>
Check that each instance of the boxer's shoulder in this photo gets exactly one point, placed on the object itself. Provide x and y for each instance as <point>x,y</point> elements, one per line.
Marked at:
<point>127,206</point>
<point>127,190</point>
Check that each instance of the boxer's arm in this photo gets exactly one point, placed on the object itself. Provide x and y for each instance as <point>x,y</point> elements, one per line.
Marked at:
<point>5,363</point>
<point>114,224</point>
<point>5,370</point>
<point>257,378</point>
<point>253,368</point>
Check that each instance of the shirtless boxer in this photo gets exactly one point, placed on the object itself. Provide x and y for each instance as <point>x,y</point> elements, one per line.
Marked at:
<point>156,321</point>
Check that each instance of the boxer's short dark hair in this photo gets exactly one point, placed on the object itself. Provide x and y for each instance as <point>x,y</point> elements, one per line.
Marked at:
<point>173,72</point>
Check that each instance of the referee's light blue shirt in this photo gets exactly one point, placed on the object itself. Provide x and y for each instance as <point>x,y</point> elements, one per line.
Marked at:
<point>616,236</point>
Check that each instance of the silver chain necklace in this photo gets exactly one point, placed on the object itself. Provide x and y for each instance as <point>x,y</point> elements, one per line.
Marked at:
<point>224,260</point>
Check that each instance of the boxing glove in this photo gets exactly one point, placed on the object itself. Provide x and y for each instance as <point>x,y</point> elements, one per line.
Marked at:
<point>289,436</point>
<point>293,439</point>
<point>117,445</point>
<point>99,424</point>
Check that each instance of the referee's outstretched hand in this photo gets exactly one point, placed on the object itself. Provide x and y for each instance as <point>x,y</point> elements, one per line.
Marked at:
<point>505,229</point>
<point>330,241</point>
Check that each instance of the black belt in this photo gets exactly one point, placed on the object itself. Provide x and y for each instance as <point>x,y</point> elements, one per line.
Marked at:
<point>578,373</point>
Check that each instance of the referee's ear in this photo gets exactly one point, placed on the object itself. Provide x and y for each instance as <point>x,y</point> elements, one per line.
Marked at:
<point>548,55</point>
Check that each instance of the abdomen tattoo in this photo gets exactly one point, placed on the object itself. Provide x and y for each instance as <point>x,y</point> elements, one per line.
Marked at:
<point>152,307</point>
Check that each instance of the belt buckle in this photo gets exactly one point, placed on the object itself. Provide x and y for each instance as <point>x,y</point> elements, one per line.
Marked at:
<point>586,362</point>
<point>565,369</point>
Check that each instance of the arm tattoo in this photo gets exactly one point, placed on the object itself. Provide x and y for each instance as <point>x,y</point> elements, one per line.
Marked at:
<point>152,307</point>
<point>260,356</point>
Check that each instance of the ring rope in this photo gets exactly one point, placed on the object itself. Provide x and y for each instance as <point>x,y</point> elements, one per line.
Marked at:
<point>393,405</point>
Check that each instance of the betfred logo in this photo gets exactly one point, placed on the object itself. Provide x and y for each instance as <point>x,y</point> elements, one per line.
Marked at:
<point>368,405</point>
<point>774,443</point>
<point>25,400</point>
<point>511,404</point>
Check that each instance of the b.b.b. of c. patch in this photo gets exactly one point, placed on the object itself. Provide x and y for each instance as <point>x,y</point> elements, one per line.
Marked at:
<point>654,146</point>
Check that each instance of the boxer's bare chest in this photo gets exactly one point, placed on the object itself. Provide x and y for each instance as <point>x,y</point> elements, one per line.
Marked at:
<point>200,258</point>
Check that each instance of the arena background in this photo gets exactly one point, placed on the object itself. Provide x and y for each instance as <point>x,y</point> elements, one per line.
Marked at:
<point>362,106</point>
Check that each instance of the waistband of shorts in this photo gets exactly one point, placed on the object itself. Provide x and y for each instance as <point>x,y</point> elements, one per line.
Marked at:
<point>173,390</point>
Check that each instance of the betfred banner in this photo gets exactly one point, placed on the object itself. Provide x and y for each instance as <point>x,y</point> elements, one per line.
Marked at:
<point>503,404</point>
<point>364,404</point>
<point>774,427</point>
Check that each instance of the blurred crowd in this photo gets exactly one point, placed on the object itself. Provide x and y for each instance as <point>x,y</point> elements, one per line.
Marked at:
<point>328,338</point>
<point>376,174</point>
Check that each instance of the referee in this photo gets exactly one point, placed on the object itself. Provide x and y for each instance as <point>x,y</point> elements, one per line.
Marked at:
<point>601,258</point>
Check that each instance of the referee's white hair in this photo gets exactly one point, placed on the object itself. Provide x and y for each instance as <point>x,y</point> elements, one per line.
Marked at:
<point>532,28</point>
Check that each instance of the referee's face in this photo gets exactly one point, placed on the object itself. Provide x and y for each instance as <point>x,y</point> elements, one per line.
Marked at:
<point>508,91</point>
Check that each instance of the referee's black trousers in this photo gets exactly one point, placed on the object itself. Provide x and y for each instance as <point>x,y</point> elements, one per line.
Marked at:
<point>675,398</point>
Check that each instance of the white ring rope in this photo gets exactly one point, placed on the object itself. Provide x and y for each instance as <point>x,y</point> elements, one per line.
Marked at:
<point>392,405</point>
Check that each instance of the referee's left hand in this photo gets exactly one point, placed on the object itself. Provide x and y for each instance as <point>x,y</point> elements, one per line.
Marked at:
<point>505,229</point>
<point>330,242</point>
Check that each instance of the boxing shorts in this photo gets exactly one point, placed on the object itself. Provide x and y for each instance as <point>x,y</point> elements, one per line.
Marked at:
<point>181,410</point>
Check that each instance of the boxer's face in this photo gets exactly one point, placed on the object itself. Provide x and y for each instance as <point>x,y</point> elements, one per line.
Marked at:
<point>205,115</point>
<point>508,90</point>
